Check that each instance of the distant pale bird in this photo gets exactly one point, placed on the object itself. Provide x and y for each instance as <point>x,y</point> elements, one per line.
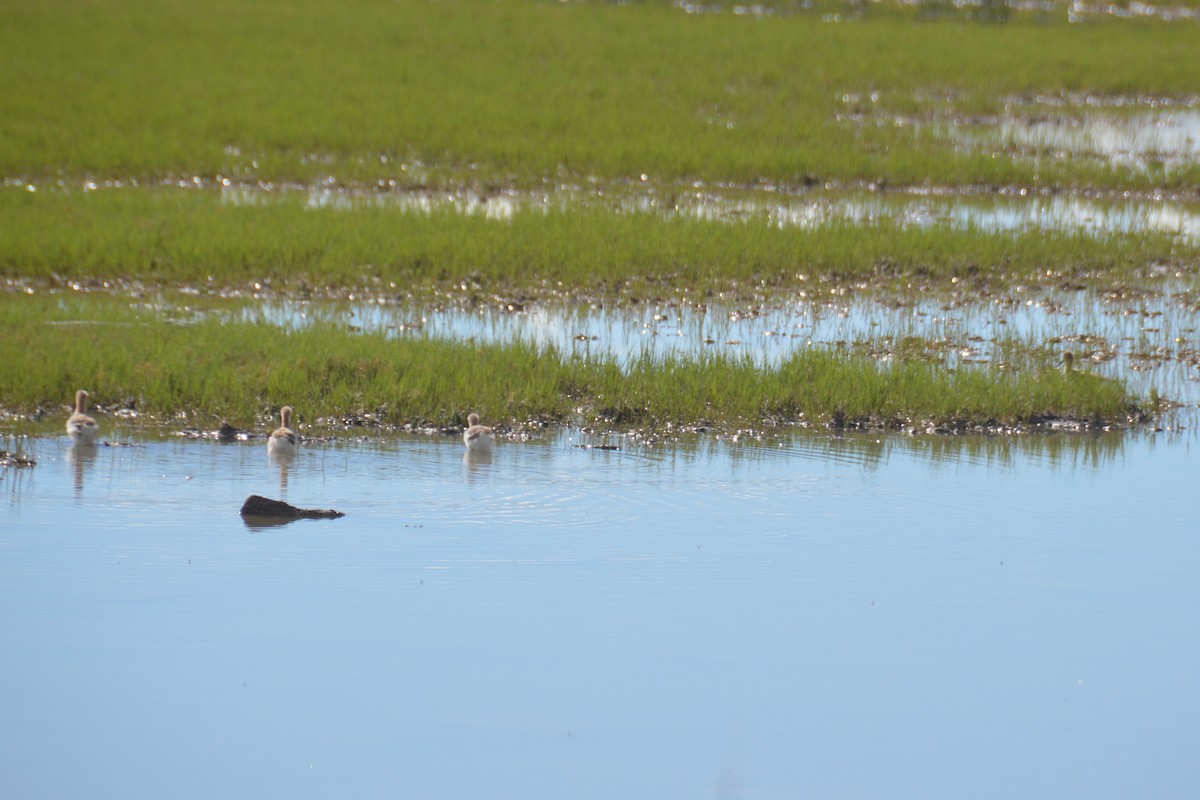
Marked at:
<point>477,437</point>
<point>282,442</point>
<point>80,426</point>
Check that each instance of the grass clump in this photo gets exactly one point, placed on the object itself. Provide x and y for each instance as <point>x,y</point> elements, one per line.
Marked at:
<point>241,372</point>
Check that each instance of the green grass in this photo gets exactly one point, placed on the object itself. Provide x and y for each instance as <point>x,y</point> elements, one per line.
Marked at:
<point>529,94</point>
<point>172,237</point>
<point>525,90</point>
<point>242,372</point>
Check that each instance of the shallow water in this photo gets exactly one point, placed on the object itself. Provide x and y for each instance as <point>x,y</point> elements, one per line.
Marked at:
<point>1166,139</point>
<point>794,617</point>
<point>924,208</point>
<point>1147,339</point>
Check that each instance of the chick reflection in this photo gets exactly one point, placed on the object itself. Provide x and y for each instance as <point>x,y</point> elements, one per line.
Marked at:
<point>282,460</point>
<point>476,462</point>
<point>81,456</point>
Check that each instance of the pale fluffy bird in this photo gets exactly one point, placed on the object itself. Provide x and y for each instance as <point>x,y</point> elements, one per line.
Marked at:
<point>282,442</point>
<point>80,426</point>
<point>477,437</point>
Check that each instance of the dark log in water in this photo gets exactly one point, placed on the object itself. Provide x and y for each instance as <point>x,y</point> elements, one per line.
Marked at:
<point>258,506</point>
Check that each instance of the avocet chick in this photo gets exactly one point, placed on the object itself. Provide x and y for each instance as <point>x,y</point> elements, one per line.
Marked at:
<point>477,437</point>
<point>1068,362</point>
<point>80,426</point>
<point>282,442</point>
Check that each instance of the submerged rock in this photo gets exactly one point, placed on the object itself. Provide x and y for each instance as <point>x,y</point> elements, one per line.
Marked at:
<point>8,459</point>
<point>226,433</point>
<point>265,507</point>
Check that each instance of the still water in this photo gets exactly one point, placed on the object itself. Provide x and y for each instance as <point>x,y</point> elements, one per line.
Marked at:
<point>800,617</point>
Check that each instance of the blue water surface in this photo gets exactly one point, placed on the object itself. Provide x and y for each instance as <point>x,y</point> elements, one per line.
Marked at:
<point>816,616</point>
